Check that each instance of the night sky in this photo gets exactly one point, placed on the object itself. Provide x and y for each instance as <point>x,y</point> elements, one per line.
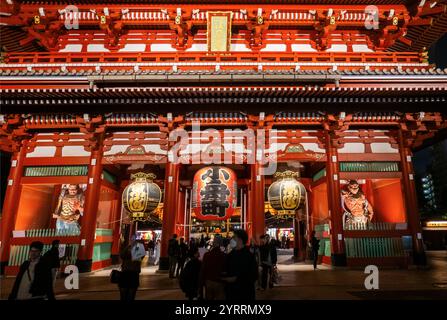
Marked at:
<point>437,55</point>
<point>438,52</point>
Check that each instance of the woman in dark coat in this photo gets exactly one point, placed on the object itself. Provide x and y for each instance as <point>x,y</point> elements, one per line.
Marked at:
<point>241,269</point>
<point>315,246</point>
<point>129,280</point>
<point>190,277</point>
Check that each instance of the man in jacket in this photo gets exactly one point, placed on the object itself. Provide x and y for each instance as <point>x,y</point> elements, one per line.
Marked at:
<point>213,266</point>
<point>268,260</point>
<point>241,269</point>
<point>34,280</point>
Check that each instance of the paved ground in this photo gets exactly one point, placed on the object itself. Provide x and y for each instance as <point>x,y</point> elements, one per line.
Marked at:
<point>299,281</point>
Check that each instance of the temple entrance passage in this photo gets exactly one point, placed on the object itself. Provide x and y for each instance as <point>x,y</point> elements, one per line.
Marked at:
<point>129,185</point>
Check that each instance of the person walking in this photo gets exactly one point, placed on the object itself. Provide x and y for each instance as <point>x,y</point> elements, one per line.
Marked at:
<point>283,241</point>
<point>34,280</point>
<point>315,246</point>
<point>268,261</point>
<point>202,241</point>
<point>157,252</point>
<point>254,249</point>
<point>189,277</point>
<point>51,258</point>
<point>150,248</point>
<point>173,248</point>
<point>241,271</point>
<point>213,266</point>
<point>129,280</point>
<point>181,256</point>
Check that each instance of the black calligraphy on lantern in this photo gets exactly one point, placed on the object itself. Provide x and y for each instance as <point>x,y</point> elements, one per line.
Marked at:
<point>215,192</point>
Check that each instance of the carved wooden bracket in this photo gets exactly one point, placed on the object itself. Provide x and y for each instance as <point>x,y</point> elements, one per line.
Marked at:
<point>45,29</point>
<point>113,27</point>
<point>94,130</point>
<point>258,24</point>
<point>181,24</point>
<point>13,134</point>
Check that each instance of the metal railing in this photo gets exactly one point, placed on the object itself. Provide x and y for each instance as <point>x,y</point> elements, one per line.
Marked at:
<point>369,166</point>
<point>374,226</point>
<point>51,233</point>
<point>19,254</point>
<point>188,58</point>
<point>374,247</point>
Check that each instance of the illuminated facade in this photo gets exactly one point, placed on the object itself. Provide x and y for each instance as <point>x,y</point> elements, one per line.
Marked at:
<point>94,92</point>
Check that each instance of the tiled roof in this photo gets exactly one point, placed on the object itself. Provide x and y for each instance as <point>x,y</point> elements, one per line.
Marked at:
<point>372,2</point>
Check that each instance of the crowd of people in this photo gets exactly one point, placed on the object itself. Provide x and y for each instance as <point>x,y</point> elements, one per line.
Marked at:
<point>211,269</point>
<point>223,268</point>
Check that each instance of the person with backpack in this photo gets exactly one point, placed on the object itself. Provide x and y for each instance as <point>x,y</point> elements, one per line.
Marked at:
<point>315,246</point>
<point>190,277</point>
<point>173,248</point>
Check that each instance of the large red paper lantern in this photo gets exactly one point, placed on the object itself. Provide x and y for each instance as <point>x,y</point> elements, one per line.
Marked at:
<point>214,193</point>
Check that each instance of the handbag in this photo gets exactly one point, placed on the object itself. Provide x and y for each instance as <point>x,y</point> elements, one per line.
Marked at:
<point>115,276</point>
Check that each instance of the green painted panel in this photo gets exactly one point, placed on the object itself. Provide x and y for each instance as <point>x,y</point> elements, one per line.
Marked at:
<point>109,177</point>
<point>374,247</point>
<point>369,166</point>
<point>18,254</point>
<point>320,174</point>
<point>56,171</point>
<point>102,251</point>
<point>104,232</point>
<point>327,248</point>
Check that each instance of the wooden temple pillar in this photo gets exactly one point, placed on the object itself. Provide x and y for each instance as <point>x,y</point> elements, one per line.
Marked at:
<point>296,244</point>
<point>116,218</point>
<point>256,200</point>
<point>338,255</point>
<point>88,226</point>
<point>11,203</point>
<point>180,218</point>
<point>170,208</point>
<point>411,204</point>
<point>188,215</point>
